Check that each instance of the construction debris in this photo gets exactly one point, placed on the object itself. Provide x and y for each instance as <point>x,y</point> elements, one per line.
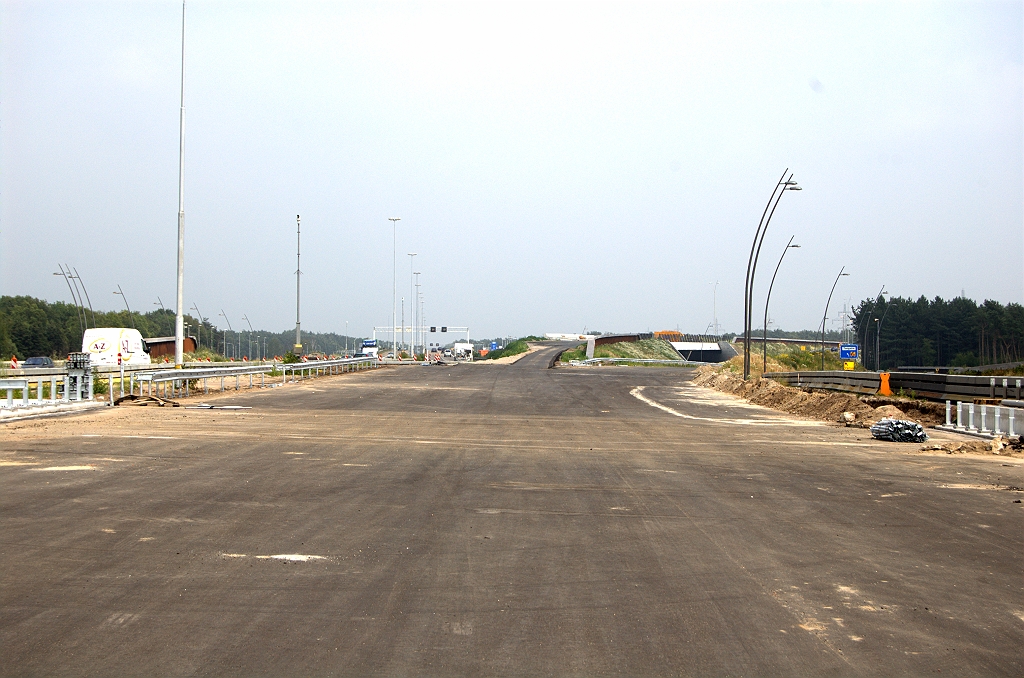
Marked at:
<point>898,431</point>
<point>144,400</point>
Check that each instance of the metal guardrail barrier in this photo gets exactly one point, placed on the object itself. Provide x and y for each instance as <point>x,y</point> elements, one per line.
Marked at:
<point>854,382</point>
<point>1003,420</point>
<point>931,386</point>
<point>318,367</point>
<point>176,383</point>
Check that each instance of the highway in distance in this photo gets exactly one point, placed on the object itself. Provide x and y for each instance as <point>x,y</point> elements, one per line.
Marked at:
<point>475,520</point>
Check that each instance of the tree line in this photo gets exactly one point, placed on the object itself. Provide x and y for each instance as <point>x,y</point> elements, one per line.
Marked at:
<point>954,333</point>
<point>34,327</point>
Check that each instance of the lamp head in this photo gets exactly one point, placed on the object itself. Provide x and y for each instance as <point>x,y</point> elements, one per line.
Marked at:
<point>795,246</point>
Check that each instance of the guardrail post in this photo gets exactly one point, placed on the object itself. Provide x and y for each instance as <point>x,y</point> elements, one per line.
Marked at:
<point>1012,412</point>
<point>995,429</point>
<point>261,379</point>
<point>53,388</point>
<point>992,387</point>
<point>1006,388</point>
<point>984,411</point>
<point>959,416</point>
<point>10,397</point>
<point>236,382</point>
<point>970,417</point>
<point>949,406</point>
<point>222,384</point>
<point>206,388</point>
<point>110,387</point>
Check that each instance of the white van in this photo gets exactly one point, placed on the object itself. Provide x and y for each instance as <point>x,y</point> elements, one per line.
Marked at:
<point>104,343</point>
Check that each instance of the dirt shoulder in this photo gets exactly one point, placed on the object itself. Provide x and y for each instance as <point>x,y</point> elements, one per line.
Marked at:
<point>847,409</point>
<point>508,360</point>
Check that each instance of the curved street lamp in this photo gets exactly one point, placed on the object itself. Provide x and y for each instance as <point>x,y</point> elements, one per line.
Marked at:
<point>78,309</point>
<point>874,302</point>
<point>764,363</point>
<point>781,187</point>
<point>878,331</point>
<point>125,299</point>
<point>841,274</point>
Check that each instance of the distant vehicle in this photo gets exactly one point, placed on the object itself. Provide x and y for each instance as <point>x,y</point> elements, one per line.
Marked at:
<point>103,344</point>
<point>40,361</point>
<point>447,353</point>
<point>463,351</point>
<point>369,348</point>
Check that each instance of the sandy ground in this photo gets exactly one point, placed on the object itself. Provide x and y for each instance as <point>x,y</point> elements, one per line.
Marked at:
<point>849,410</point>
<point>508,360</point>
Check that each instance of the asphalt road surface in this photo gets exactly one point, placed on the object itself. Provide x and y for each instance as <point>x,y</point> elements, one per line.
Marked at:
<point>500,520</point>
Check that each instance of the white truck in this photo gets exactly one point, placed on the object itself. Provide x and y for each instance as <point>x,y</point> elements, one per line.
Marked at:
<point>463,351</point>
<point>103,344</point>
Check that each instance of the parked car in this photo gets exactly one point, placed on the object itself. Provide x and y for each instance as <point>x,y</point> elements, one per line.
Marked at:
<point>38,361</point>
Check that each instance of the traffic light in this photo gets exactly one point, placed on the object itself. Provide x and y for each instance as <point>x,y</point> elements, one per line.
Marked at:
<point>444,329</point>
<point>433,329</point>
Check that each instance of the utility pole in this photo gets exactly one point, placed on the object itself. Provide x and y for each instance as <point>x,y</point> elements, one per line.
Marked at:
<point>179,318</point>
<point>298,275</point>
<point>394,283</point>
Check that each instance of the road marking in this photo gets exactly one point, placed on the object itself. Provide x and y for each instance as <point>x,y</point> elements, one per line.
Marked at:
<point>293,557</point>
<point>66,468</point>
<point>638,394</point>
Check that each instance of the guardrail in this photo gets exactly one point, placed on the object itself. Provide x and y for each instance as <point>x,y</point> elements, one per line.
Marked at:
<point>931,386</point>
<point>61,389</point>
<point>1001,425</point>
<point>318,367</point>
<point>176,383</point>
<point>853,382</point>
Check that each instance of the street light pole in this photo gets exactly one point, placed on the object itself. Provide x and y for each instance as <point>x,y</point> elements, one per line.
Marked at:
<point>196,309</point>
<point>714,306</point>
<point>394,285</point>
<point>841,274</point>
<point>225,334</point>
<point>246,319</point>
<point>179,317</point>
<point>418,331</point>
<point>78,310</point>
<point>878,331</point>
<point>298,277</point>
<point>755,249</point>
<point>789,246</point>
<point>412,307</point>
<point>864,341</point>
<point>125,299</point>
<point>79,279</point>
<point>85,316</point>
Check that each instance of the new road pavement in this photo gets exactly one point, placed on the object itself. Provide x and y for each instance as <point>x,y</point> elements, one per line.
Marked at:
<point>500,520</point>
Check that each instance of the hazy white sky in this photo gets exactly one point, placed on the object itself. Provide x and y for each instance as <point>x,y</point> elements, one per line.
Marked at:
<point>555,165</point>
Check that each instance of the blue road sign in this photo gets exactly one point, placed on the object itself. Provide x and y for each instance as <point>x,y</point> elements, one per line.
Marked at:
<point>494,346</point>
<point>848,351</point>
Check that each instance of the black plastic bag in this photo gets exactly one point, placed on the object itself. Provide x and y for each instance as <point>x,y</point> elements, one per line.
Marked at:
<point>899,431</point>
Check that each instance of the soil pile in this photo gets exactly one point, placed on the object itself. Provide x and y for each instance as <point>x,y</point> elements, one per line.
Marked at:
<point>1001,446</point>
<point>844,408</point>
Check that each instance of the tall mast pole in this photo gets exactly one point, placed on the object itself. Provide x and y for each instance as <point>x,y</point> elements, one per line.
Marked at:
<point>179,319</point>
<point>298,276</point>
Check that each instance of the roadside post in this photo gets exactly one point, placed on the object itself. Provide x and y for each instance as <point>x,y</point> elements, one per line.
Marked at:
<point>849,353</point>
<point>120,365</point>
